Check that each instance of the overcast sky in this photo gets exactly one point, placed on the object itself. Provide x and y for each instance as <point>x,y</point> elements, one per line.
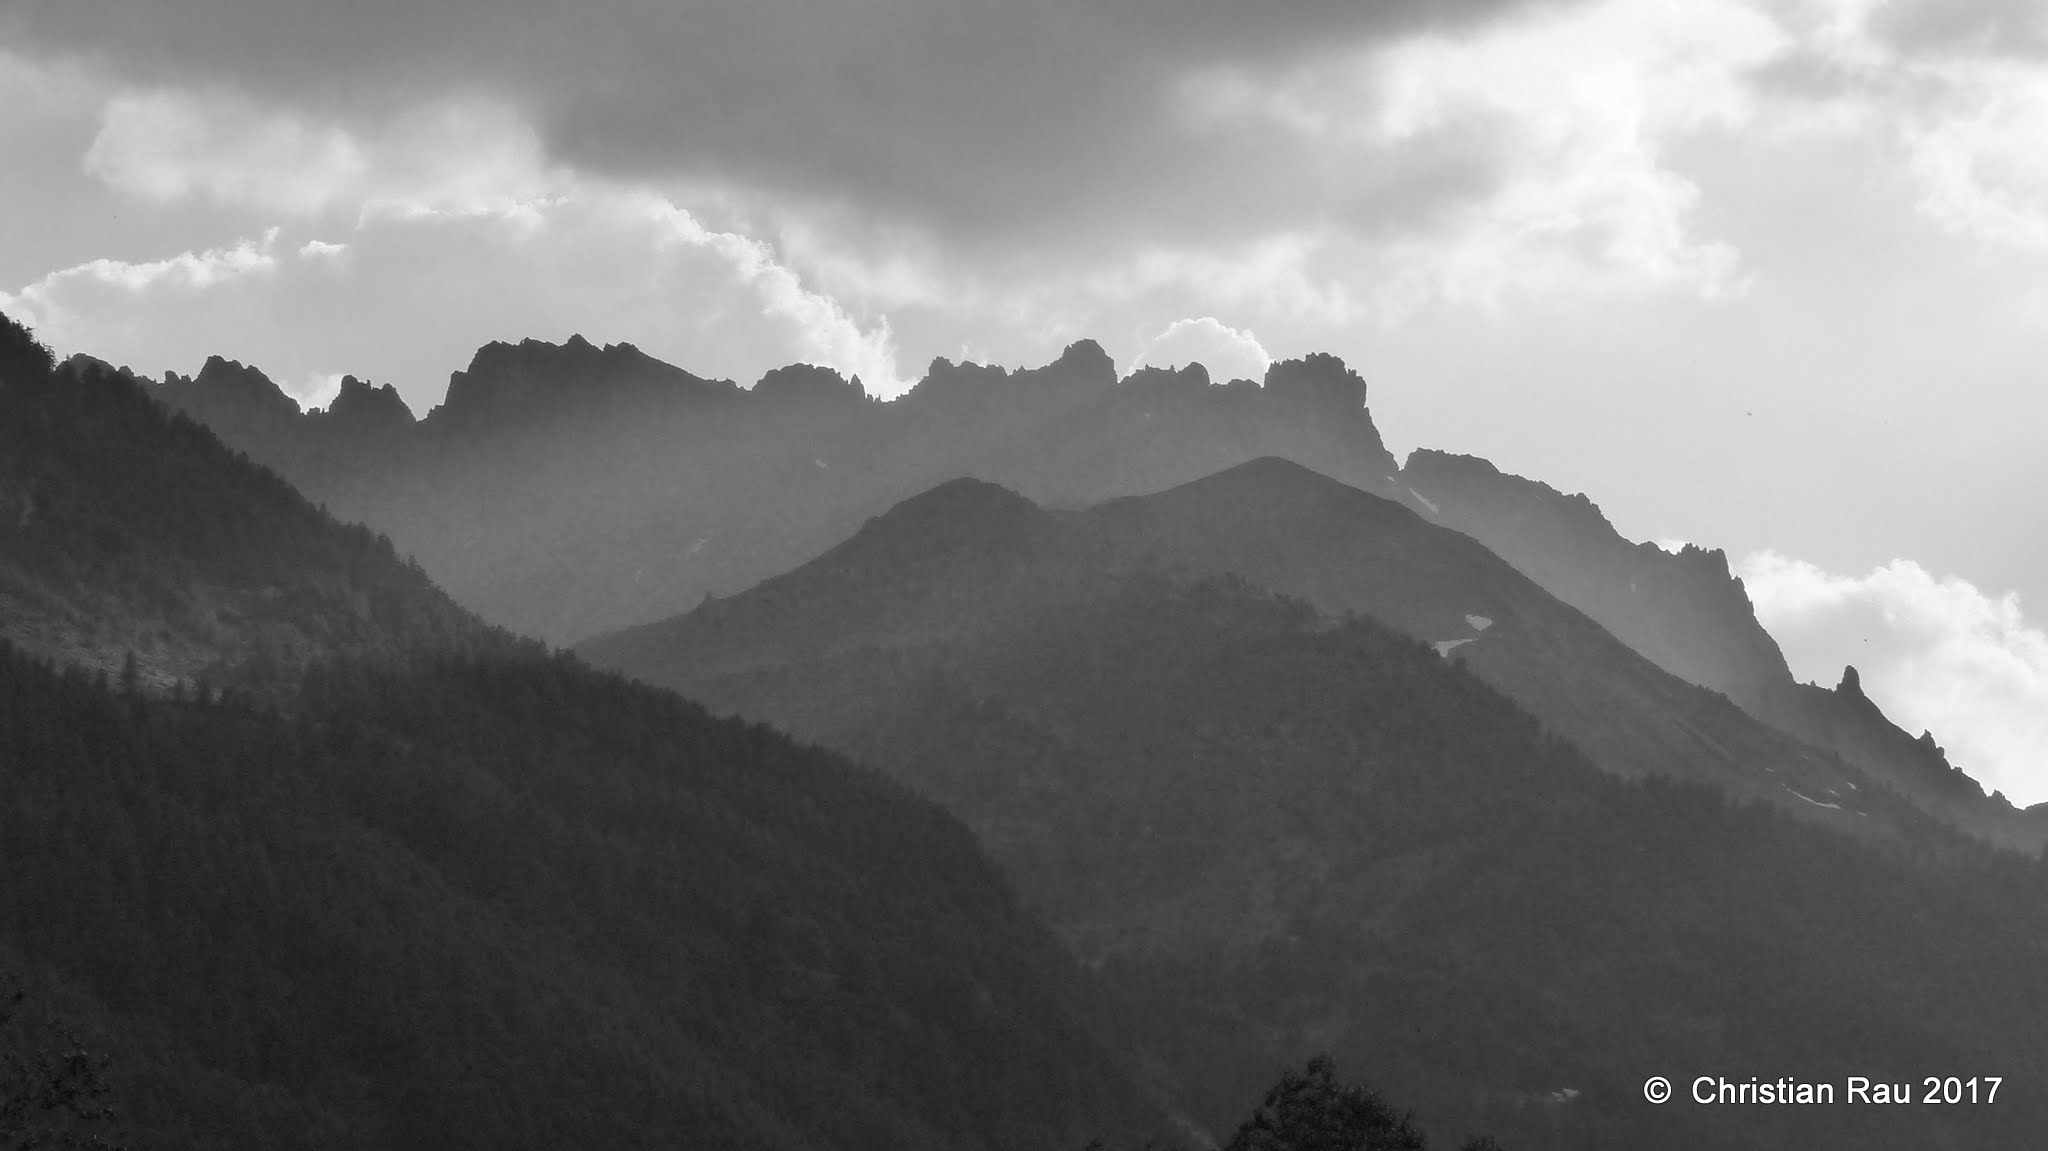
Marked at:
<point>1771,277</point>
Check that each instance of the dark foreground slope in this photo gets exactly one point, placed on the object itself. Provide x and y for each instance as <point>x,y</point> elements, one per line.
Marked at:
<point>1691,616</point>
<point>421,885</point>
<point>125,530</point>
<point>505,902</point>
<point>1281,828</point>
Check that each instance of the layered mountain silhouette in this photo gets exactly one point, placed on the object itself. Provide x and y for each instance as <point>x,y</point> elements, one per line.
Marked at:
<point>1219,736</point>
<point>1689,614</point>
<point>128,536</point>
<point>1294,532</point>
<point>564,490</point>
<point>422,884</point>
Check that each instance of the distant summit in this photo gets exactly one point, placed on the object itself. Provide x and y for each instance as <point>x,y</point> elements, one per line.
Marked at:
<point>369,409</point>
<point>800,384</point>
<point>566,489</point>
<point>534,381</point>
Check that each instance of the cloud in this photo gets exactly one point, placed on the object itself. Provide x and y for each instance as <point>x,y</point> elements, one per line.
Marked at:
<point>448,156</point>
<point>1937,654</point>
<point>1983,27</point>
<point>1228,353</point>
<point>612,265</point>
<point>1980,162</point>
<point>1581,108</point>
<point>1004,117</point>
<point>56,304</point>
<point>826,332</point>
<point>1959,87</point>
<point>315,390</point>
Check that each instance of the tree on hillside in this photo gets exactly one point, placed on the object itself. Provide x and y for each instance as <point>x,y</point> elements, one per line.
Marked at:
<point>1309,1110</point>
<point>49,1098</point>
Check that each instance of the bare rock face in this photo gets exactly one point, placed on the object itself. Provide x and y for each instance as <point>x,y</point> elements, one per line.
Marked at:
<point>1691,616</point>
<point>364,409</point>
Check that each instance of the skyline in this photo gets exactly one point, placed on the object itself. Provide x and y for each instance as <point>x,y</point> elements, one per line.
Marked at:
<point>1766,277</point>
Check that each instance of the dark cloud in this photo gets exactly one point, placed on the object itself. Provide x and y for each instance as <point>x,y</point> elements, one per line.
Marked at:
<point>1996,27</point>
<point>971,117</point>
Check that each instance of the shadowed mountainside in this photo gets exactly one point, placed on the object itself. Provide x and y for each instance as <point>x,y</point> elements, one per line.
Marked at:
<point>562,490</point>
<point>429,886</point>
<point>1690,615</point>
<point>126,530</point>
<point>1279,825</point>
<point>1290,531</point>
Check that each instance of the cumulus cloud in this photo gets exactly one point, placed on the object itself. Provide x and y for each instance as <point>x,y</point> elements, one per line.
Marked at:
<point>1959,86</point>
<point>1982,169</point>
<point>612,265</point>
<point>1228,353</point>
<point>826,332</point>
<point>1936,653</point>
<point>316,390</point>
<point>1582,107</point>
<point>58,304</point>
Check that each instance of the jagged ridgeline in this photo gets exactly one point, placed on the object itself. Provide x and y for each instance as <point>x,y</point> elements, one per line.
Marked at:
<point>1687,613</point>
<point>564,490</point>
<point>462,893</point>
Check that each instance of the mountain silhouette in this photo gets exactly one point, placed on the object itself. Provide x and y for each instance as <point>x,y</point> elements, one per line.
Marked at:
<point>567,490</point>
<point>1690,615</point>
<point>564,490</point>
<point>1242,781</point>
<point>129,536</point>
<point>420,883</point>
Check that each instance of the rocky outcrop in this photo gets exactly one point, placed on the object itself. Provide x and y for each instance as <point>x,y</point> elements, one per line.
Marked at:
<point>363,409</point>
<point>1690,615</point>
<point>533,381</point>
<point>1686,611</point>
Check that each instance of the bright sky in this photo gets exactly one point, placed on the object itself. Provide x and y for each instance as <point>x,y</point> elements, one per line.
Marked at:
<point>1768,276</point>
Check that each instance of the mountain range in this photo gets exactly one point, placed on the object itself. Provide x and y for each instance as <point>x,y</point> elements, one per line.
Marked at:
<point>567,490</point>
<point>1213,735</point>
<point>1096,747</point>
<point>316,858</point>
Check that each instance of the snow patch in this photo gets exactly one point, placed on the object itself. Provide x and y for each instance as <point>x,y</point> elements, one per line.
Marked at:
<point>1424,501</point>
<point>1813,801</point>
<point>1444,647</point>
<point>1478,622</point>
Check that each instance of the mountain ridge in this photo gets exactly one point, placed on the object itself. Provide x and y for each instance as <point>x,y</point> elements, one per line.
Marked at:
<point>1690,614</point>
<point>665,488</point>
<point>421,883</point>
<point>1280,825</point>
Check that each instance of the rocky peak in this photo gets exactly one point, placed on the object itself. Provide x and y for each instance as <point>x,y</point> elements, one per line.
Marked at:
<point>1190,379</point>
<point>361,405</point>
<point>508,384</point>
<point>808,383</point>
<point>229,385</point>
<point>1082,370</point>
<point>1320,381</point>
